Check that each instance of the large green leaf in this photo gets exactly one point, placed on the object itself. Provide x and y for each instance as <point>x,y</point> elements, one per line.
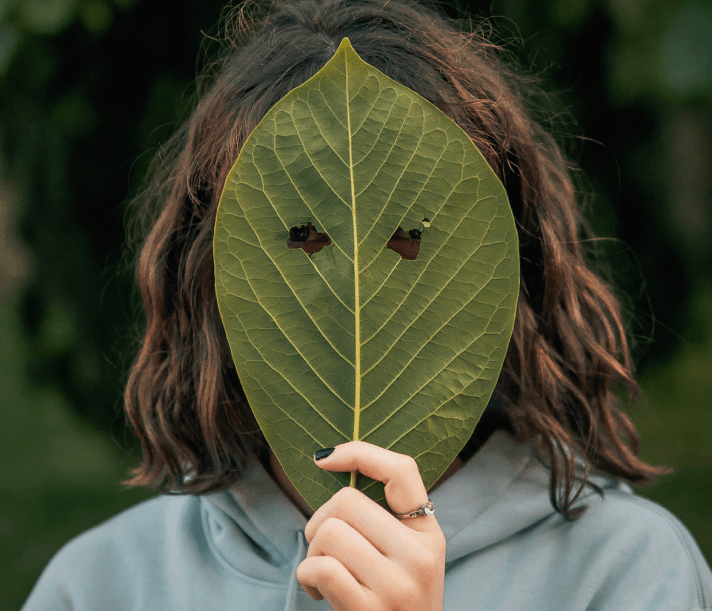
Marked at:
<point>356,342</point>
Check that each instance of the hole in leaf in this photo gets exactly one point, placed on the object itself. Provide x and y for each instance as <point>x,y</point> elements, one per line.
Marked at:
<point>405,243</point>
<point>307,238</point>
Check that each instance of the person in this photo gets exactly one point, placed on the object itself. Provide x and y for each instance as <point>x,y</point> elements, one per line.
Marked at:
<point>536,512</point>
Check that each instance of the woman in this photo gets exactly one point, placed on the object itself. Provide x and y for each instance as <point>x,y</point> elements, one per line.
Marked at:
<point>534,513</point>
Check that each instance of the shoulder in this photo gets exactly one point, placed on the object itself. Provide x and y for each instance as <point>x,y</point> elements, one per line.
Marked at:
<point>621,513</point>
<point>112,559</point>
<point>139,528</point>
<point>631,543</point>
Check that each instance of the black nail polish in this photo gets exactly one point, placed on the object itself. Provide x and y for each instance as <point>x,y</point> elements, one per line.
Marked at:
<point>323,453</point>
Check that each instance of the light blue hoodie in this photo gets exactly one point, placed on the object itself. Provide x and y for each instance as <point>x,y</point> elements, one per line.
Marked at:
<point>507,549</point>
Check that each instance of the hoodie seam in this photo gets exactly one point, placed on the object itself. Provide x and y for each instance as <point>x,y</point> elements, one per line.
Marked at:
<point>229,566</point>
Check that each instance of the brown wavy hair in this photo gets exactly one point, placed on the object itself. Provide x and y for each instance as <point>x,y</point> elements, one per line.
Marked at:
<point>183,397</point>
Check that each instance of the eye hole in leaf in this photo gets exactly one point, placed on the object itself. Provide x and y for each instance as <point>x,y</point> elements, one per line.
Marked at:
<point>307,238</point>
<point>406,243</point>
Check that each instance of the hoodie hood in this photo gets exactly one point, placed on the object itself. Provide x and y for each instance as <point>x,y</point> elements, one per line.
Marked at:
<point>256,516</point>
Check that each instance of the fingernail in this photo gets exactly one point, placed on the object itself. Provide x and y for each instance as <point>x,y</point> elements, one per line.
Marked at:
<point>323,453</point>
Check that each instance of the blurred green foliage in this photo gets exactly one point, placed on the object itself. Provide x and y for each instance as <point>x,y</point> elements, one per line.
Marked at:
<point>90,88</point>
<point>673,423</point>
<point>89,91</point>
<point>60,474</point>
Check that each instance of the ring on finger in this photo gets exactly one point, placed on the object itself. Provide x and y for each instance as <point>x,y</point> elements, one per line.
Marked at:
<point>427,509</point>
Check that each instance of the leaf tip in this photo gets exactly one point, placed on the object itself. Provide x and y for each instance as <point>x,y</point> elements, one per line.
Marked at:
<point>345,44</point>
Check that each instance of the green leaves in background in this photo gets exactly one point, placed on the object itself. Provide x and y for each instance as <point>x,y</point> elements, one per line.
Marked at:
<point>355,342</point>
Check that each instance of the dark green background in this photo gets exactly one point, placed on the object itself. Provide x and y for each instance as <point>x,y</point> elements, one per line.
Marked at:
<point>90,88</point>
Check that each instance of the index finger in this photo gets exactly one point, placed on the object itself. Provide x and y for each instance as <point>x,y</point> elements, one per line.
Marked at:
<point>404,486</point>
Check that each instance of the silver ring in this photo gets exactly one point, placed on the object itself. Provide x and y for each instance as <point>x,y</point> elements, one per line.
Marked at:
<point>424,510</point>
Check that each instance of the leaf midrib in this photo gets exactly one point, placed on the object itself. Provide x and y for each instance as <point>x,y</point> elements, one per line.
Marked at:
<point>357,306</point>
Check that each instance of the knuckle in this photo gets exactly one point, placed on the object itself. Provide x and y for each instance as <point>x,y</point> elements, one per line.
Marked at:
<point>347,496</point>
<point>307,575</point>
<point>327,572</point>
<point>330,527</point>
<point>410,464</point>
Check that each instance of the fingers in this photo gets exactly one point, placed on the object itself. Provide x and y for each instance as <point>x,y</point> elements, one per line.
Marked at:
<point>362,557</point>
<point>339,540</point>
<point>404,486</point>
<point>384,532</point>
<point>326,577</point>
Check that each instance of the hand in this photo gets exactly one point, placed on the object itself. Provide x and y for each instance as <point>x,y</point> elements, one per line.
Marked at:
<point>362,557</point>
